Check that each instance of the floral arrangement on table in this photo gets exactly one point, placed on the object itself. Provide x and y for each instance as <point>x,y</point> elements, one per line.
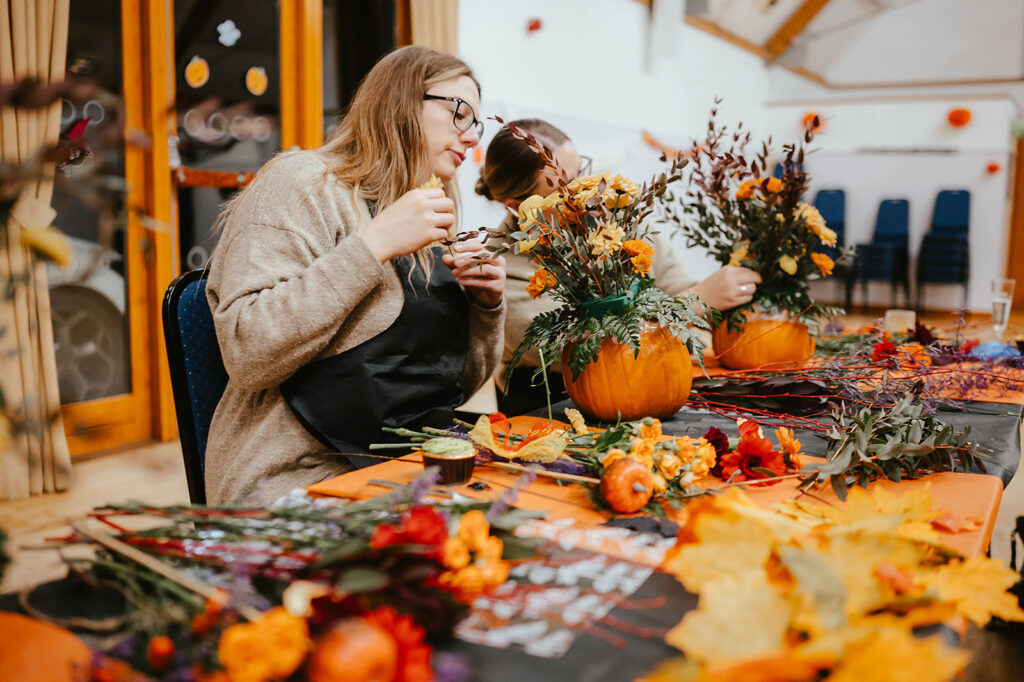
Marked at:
<point>809,592</point>
<point>591,241</point>
<point>742,216</point>
<point>355,592</point>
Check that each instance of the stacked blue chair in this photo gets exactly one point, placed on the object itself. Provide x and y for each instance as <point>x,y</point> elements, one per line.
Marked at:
<point>944,257</point>
<point>198,376</point>
<point>831,204</point>
<point>886,257</point>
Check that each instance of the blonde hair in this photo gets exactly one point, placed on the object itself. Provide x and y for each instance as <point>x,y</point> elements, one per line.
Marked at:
<point>379,148</point>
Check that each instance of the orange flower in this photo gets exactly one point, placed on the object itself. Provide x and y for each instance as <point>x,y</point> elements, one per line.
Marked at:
<point>160,652</point>
<point>704,459</point>
<point>474,530</point>
<point>687,450</point>
<point>540,281</point>
<point>774,185</point>
<point>470,576</point>
<point>790,447</point>
<point>669,465</point>
<point>641,263</point>
<point>269,649</point>
<point>824,263</point>
<point>456,554</point>
<point>637,247</point>
<point>746,189</point>
<point>643,451</point>
<point>651,430</point>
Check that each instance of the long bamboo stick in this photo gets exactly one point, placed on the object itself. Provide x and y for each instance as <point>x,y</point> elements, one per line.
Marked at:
<point>159,567</point>
<point>543,472</point>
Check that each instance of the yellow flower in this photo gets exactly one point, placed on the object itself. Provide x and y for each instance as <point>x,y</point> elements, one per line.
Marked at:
<point>774,185</point>
<point>621,192</point>
<point>474,530</point>
<point>739,254</point>
<point>670,465</point>
<point>643,451</point>
<point>456,554</point>
<point>533,208</point>
<point>652,430</point>
<point>612,455</point>
<point>788,265</point>
<point>704,459</point>
<point>526,244</point>
<point>49,243</point>
<point>660,484</point>
<point>540,281</point>
<point>606,239</point>
<point>269,649</point>
<point>824,263</point>
<point>816,224</point>
<point>641,263</point>
<point>586,182</point>
<point>686,451</point>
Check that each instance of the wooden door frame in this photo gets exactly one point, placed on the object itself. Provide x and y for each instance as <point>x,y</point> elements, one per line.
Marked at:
<point>1015,242</point>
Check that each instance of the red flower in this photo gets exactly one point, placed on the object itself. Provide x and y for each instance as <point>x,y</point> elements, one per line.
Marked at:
<point>753,452</point>
<point>386,535</point>
<point>420,526</point>
<point>413,653</point>
<point>969,345</point>
<point>747,427</point>
<point>721,443</point>
<point>424,526</point>
<point>883,349</point>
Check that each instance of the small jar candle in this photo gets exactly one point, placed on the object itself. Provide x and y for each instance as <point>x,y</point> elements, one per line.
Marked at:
<point>454,456</point>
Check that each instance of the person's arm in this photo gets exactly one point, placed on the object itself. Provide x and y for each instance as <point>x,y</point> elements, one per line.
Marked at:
<point>486,329</point>
<point>276,304</point>
<point>726,288</point>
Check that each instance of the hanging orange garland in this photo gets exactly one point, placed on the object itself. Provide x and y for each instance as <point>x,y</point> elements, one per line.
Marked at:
<point>814,121</point>
<point>959,117</point>
<point>993,168</point>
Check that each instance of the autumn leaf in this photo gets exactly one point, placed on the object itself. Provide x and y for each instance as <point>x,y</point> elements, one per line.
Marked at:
<point>978,588</point>
<point>896,655</point>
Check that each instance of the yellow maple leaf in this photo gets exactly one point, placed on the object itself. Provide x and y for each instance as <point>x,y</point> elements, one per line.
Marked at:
<point>978,588</point>
<point>748,620</point>
<point>896,655</point>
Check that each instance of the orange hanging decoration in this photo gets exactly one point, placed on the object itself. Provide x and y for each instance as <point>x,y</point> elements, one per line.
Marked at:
<point>256,80</point>
<point>812,120</point>
<point>197,72</point>
<point>959,117</point>
<point>993,168</point>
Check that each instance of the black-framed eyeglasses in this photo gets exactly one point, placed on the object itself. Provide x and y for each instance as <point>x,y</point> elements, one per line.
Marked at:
<point>463,117</point>
<point>586,165</point>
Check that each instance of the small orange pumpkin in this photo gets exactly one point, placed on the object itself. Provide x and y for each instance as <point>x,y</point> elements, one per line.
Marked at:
<point>197,72</point>
<point>655,383</point>
<point>763,340</point>
<point>354,650</point>
<point>627,485</point>
<point>256,80</point>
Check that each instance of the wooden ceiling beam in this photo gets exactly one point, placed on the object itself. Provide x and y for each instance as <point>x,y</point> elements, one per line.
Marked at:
<point>792,27</point>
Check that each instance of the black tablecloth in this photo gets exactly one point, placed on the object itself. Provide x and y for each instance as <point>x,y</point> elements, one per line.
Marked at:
<point>994,426</point>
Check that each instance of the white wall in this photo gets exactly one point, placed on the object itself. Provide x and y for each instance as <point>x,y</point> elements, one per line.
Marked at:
<point>588,72</point>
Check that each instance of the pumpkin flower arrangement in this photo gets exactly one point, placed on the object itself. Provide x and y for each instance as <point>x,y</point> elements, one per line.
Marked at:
<point>592,244</point>
<point>742,216</point>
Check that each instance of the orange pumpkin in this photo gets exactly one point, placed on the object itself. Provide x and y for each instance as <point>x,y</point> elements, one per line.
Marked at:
<point>256,80</point>
<point>354,650</point>
<point>197,72</point>
<point>627,485</point>
<point>655,383</point>
<point>764,340</point>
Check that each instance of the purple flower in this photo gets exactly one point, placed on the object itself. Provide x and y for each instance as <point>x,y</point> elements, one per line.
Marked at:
<point>509,497</point>
<point>451,667</point>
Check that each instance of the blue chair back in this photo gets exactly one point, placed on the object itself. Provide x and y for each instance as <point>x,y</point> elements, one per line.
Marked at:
<point>198,376</point>
<point>952,212</point>
<point>831,204</point>
<point>892,226</point>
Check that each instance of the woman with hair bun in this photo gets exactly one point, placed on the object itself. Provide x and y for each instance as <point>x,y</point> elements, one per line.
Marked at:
<point>511,173</point>
<point>336,309</point>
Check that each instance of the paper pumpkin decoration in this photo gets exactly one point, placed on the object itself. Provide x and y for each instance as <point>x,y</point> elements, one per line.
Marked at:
<point>814,121</point>
<point>256,80</point>
<point>959,117</point>
<point>993,168</point>
<point>197,72</point>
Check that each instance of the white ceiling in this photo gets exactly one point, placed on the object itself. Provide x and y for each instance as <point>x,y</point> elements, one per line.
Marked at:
<point>859,43</point>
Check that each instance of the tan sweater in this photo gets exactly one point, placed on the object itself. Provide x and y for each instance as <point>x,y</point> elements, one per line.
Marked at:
<point>670,274</point>
<point>291,282</point>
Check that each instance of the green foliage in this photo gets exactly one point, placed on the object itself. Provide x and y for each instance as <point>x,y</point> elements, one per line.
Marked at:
<point>902,441</point>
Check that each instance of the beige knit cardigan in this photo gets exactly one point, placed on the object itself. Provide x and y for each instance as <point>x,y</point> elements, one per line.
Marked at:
<point>291,282</point>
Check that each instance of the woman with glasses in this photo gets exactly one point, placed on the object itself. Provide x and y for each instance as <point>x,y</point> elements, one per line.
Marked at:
<point>511,173</point>
<point>336,308</point>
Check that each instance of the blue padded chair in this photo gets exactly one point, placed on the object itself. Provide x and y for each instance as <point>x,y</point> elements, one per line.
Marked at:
<point>831,204</point>
<point>198,377</point>
<point>886,257</point>
<point>944,257</point>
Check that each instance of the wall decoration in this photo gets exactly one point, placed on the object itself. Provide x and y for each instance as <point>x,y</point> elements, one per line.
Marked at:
<point>993,168</point>
<point>256,80</point>
<point>197,72</point>
<point>808,121</point>
<point>959,117</point>
<point>534,25</point>
<point>227,33</point>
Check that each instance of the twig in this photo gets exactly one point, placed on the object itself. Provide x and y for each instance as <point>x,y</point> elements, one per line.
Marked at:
<point>188,582</point>
<point>544,472</point>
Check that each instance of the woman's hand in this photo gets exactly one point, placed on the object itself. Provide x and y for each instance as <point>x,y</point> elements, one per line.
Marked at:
<point>419,217</point>
<point>484,280</point>
<point>728,287</point>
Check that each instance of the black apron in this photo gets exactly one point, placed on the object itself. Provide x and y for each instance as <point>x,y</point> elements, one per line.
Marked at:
<point>406,376</point>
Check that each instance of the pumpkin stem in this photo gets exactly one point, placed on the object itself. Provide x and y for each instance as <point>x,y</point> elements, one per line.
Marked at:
<point>639,487</point>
